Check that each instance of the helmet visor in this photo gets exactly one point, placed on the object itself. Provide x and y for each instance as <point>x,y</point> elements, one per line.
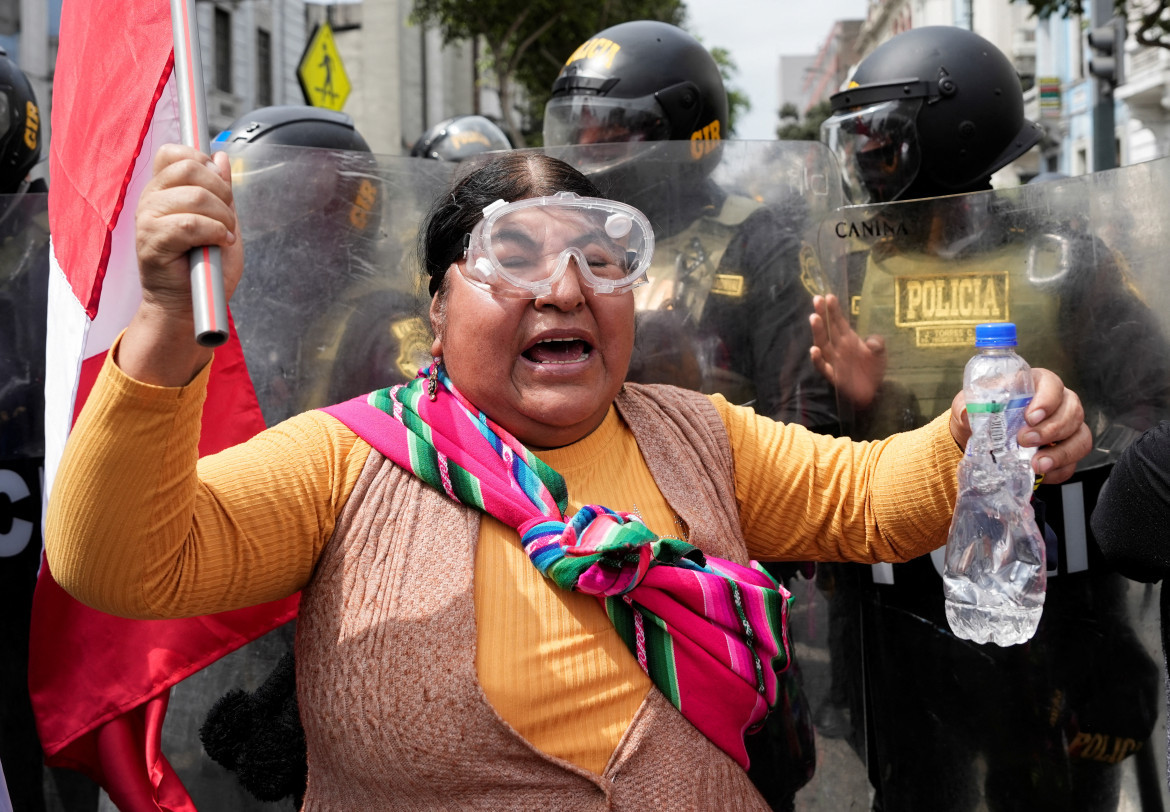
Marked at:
<point>278,187</point>
<point>574,120</point>
<point>877,148</point>
<point>521,249</point>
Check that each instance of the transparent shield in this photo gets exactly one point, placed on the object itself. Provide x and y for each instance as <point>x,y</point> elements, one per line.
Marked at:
<point>331,304</point>
<point>24,275</point>
<point>735,267</point>
<point>1072,718</point>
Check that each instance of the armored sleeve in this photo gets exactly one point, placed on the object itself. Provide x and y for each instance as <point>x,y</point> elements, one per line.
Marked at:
<point>1121,355</point>
<point>1133,509</point>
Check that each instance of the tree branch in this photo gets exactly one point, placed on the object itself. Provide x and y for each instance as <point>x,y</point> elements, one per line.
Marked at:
<point>531,38</point>
<point>1151,20</point>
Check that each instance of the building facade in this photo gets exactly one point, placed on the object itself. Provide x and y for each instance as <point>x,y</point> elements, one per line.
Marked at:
<point>832,64</point>
<point>250,52</point>
<point>403,79</point>
<point>1051,57</point>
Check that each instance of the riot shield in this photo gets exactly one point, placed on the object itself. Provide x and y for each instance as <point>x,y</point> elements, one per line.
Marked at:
<point>331,304</point>
<point>24,275</point>
<point>1069,719</point>
<point>728,296</point>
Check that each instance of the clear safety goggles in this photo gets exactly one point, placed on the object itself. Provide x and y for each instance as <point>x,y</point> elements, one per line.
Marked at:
<point>522,249</point>
<point>876,146</point>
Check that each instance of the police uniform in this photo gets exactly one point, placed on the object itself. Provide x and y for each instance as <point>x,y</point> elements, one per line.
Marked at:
<point>1050,719</point>
<point>24,272</point>
<point>731,282</point>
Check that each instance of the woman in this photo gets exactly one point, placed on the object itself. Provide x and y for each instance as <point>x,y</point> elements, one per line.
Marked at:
<point>436,666</point>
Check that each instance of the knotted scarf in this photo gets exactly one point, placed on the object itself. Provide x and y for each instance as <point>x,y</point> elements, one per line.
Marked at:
<point>711,634</point>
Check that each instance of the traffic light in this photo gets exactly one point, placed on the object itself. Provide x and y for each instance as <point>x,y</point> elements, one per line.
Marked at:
<point>1107,44</point>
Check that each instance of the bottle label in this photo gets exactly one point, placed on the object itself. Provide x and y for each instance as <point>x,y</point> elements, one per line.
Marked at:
<point>1006,418</point>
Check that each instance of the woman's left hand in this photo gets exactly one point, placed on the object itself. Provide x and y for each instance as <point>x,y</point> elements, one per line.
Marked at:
<point>1056,427</point>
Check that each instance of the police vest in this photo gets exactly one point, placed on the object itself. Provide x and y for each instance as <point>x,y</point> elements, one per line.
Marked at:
<point>926,308</point>
<point>685,270</point>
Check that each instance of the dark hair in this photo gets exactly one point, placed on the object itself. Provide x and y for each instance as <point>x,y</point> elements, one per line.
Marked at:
<point>509,177</point>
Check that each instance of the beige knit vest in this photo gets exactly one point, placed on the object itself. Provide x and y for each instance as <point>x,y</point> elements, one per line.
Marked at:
<point>394,714</point>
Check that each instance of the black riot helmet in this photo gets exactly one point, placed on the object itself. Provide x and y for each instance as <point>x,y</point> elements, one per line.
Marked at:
<point>933,111</point>
<point>340,176</point>
<point>20,126</point>
<point>459,138</point>
<point>295,125</point>
<point>639,81</point>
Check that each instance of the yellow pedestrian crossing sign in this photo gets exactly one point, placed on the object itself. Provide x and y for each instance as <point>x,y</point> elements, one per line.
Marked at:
<point>321,74</point>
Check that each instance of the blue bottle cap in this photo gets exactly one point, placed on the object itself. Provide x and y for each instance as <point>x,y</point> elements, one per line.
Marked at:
<point>995,334</point>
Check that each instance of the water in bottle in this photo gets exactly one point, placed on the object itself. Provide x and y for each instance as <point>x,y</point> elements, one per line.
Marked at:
<point>994,575</point>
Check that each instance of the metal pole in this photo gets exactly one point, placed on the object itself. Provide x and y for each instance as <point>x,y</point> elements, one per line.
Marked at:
<point>1104,149</point>
<point>207,296</point>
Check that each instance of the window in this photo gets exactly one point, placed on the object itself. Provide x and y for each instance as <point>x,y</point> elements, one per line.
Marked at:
<point>263,68</point>
<point>223,50</point>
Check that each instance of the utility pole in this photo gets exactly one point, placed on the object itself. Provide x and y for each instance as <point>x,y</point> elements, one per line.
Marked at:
<point>1106,39</point>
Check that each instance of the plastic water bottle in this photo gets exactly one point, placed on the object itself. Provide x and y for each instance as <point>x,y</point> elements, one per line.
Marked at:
<point>994,574</point>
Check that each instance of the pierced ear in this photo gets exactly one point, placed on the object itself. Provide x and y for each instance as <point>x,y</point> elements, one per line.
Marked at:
<point>437,314</point>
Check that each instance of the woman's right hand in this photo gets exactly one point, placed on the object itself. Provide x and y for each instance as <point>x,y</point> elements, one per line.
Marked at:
<point>187,204</point>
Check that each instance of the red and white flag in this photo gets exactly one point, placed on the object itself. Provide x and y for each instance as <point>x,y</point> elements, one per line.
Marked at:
<point>100,684</point>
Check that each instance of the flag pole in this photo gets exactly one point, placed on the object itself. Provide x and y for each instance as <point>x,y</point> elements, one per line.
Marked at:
<point>207,296</point>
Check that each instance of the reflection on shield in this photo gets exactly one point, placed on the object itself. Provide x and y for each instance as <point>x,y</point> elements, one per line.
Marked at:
<point>730,288</point>
<point>1078,266</point>
<point>24,275</point>
<point>1075,264</point>
<point>330,305</point>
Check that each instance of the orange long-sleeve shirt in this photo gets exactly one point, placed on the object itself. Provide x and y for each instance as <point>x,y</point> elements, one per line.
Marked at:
<point>143,529</point>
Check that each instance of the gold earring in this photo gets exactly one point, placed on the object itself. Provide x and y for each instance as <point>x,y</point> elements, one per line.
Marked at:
<point>433,379</point>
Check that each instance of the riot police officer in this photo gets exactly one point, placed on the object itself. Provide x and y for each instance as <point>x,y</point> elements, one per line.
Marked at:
<point>935,112</point>
<point>323,310</point>
<point>459,138</point>
<point>20,131</point>
<point>726,309</point>
<point>22,288</point>
<point>24,274</point>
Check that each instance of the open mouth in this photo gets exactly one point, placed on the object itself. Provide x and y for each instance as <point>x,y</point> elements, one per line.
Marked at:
<point>558,351</point>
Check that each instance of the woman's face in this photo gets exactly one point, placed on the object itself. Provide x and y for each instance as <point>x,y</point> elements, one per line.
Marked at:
<point>546,369</point>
